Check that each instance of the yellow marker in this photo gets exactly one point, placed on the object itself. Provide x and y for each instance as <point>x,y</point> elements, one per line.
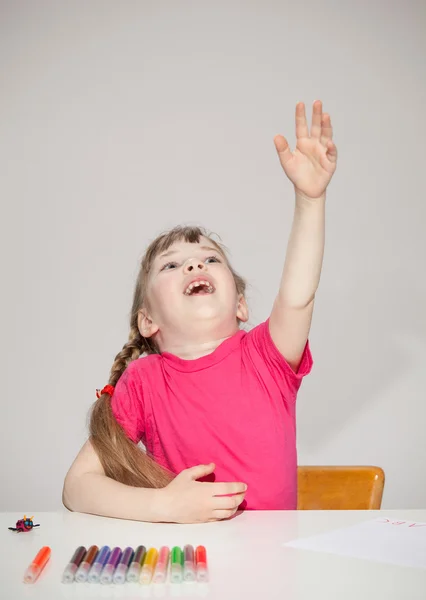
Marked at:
<point>149,565</point>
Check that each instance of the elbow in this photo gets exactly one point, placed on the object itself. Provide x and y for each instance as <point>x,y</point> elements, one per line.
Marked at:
<point>65,496</point>
<point>69,494</point>
<point>65,499</point>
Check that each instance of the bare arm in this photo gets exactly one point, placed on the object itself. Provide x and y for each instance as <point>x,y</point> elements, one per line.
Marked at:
<point>310,168</point>
<point>291,316</point>
<point>185,500</point>
<point>88,490</point>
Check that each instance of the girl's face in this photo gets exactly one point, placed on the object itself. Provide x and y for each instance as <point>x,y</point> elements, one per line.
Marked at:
<point>191,288</point>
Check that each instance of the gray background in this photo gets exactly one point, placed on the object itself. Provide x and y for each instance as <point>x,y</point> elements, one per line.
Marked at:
<point>121,119</point>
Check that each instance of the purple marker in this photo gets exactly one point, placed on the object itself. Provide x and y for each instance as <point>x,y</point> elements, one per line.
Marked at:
<point>109,568</point>
<point>98,565</point>
<point>121,570</point>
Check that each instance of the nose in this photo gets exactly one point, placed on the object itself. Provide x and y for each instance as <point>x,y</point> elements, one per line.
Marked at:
<point>193,264</point>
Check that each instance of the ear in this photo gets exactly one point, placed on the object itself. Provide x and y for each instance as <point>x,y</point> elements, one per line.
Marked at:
<point>147,327</point>
<point>242,309</point>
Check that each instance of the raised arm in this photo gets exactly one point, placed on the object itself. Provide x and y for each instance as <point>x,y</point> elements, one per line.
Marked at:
<point>310,168</point>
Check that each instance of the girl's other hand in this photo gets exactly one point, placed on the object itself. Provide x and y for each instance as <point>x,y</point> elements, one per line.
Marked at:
<point>186,500</point>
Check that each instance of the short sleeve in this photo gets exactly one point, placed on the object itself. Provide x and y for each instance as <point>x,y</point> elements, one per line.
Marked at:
<point>127,403</point>
<point>266,356</point>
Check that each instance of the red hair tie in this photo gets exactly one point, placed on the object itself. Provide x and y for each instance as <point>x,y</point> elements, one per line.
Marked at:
<point>108,389</point>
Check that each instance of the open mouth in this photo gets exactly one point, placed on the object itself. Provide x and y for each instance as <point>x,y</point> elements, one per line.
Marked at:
<point>199,288</point>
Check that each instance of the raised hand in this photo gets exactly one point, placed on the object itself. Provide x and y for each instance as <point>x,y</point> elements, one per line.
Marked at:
<point>312,164</point>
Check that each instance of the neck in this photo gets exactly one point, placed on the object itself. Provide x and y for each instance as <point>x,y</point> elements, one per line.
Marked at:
<point>193,347</point>
<point>191,352</point>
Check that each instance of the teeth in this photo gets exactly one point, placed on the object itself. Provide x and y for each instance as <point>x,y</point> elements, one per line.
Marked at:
<point>191,286</point>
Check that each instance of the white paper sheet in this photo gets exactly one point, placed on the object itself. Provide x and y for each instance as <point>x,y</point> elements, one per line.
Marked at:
<point>399,542</point>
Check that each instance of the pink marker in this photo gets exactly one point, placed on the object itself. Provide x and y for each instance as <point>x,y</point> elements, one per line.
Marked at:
<point>162,565</point>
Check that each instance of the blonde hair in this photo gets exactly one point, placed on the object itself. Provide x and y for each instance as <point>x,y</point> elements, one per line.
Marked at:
<point>120,457</point>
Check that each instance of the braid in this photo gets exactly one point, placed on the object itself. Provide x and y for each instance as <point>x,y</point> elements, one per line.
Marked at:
<point>132,350</point>
<point>121,459</point>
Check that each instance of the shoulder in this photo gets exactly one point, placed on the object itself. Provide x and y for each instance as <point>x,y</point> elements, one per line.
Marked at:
<point>144,362</point>
<point>256,334</point>
<point>137,379</point>
<point>142,368</point>
<point>262,349</point>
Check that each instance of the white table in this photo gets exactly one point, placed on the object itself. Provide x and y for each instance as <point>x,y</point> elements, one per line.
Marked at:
<point>246,558</point>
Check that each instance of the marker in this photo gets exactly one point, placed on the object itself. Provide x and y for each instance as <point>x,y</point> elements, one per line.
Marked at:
<point>162,564</point>
<point>135,568</point>
<point>188,563</point>
<point>149,565</point>
<point>121,570</point>
<point>201,562</point>
<point>109,568</point>
<point>176,566</point>
<point>72,566</point>
<point>86,564</point>
<point>99,564</point>
<point>37,565</point>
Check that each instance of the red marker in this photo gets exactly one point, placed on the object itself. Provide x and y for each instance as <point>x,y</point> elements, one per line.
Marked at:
<point>201,563</point>
<point>37,565</point>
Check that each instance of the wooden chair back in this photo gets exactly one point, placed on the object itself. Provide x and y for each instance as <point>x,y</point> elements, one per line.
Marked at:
<point>340,488</point>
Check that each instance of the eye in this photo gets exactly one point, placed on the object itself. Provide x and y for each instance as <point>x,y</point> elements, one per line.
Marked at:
<point>212,258</point>
<point>168,266</point>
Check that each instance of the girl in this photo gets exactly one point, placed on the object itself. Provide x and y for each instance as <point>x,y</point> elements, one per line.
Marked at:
<point>204,390</point>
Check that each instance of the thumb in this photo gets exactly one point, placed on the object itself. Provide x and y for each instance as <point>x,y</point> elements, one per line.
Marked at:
<point>200,471</point>
<point>281,144</point>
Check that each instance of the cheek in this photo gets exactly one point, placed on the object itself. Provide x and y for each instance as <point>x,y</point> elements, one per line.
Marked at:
<point>162,289</point>
<point>231,289</point>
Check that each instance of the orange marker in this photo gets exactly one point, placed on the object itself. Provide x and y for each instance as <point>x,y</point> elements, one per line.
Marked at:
<point>37,565</point>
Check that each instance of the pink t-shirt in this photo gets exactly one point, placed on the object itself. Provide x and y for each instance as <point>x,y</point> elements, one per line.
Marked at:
<point>234,407</point>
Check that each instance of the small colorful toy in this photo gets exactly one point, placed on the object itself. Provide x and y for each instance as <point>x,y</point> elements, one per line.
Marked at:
<point>23,525</point>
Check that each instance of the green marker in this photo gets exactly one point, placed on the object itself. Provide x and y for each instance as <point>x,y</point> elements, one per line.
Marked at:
<point>176,565</point>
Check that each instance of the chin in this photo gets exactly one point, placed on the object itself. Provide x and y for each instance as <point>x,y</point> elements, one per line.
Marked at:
<point>207,313</point>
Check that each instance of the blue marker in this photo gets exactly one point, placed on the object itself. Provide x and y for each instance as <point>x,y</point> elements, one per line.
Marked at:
<point>98,565</point>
